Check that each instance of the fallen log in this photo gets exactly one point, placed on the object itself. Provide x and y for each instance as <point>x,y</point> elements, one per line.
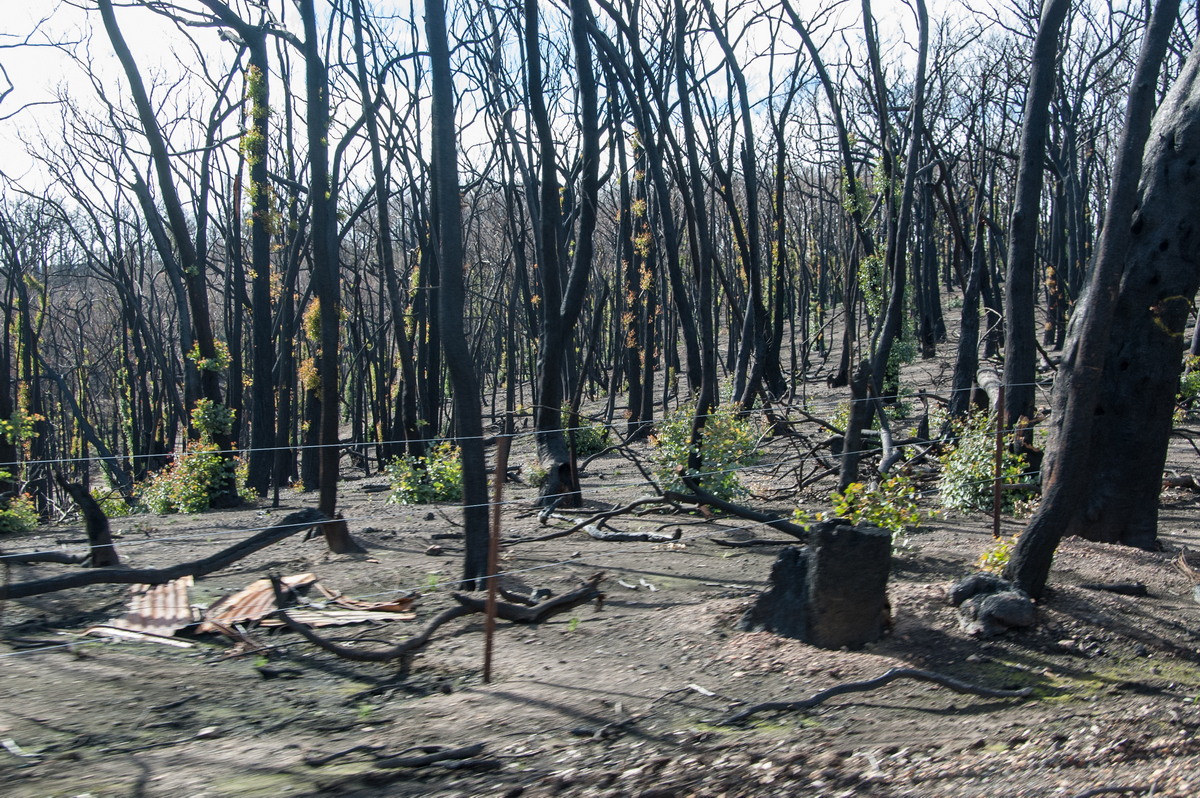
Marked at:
<point>287,526</point>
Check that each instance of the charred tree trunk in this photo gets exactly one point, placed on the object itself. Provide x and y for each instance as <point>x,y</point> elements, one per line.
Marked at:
<point>1020,341</point>
<point>325,276</point>
<point>1120,369</point>
<point>468,412</point>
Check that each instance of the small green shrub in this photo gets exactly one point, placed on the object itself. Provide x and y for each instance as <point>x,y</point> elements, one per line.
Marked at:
<point>111,502</point>
<point>996,558</point>
<point>188,484</point>
<point>729,442</point>
<point>535,475</point>
<point>968,467</point>
<point>19,515</point>
<point>841,418</point>
<point>436,477</point>
<point>1189,388</point>
<point>590,438</point>
<point>891,506</point>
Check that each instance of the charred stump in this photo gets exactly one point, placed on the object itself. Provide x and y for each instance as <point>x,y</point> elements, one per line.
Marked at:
<point>100,543</point>
<point>831,593</point>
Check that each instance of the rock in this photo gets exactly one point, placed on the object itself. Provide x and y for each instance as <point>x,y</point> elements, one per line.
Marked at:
<point>973,585</point>
<point>990,614</point>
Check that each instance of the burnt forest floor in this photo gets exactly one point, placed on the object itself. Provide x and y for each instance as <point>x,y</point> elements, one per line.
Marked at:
<point>629,699</point>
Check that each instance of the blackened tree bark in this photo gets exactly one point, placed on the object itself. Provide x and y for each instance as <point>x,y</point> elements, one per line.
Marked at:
<point>647,92</point>
<point>893,319</point>
<point>1020,340</point>
<point>262,216</point>
<point>561,304</point>
<point>753,348</point>
<point>405,420</point>
<point>703,253</point>
<point>184,252</point>
<point>1114,394</point>
<point>967,361</point>
<point>468,411</point>
<point>325,274</point>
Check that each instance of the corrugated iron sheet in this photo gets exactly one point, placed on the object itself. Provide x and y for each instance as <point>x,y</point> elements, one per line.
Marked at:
<point>316,618</point>
<point>157,609</point>
<point>250,603</point>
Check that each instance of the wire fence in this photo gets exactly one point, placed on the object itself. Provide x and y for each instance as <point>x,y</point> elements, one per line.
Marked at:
<point>400,511</point>
<point>811,407</point>
<point>590,491</point>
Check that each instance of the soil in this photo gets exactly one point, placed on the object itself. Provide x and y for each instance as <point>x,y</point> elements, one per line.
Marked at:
<point>628,699</point>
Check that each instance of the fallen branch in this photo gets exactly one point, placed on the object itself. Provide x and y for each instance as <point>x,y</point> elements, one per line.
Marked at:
<point>703,497</point>
<point>591,521</point>
<point>315,761</point>
<point>57,557</point>
<point>749,544</point>
<point>597,531</point>
<point>289,525</point>
<point>1114,791</point>
<point>1181,481</point>
<point>467,605</point>
<point>539,612</point>
<point>465,753</point>
<point>871,684</point>
<point>616,536</point>
<point>1120,588</point>
<point>398,651</point>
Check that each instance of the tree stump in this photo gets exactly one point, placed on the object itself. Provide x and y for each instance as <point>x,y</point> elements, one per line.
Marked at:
<point>831,593</point>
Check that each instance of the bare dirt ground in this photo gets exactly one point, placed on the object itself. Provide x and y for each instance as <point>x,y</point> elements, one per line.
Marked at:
<point>625,701</point>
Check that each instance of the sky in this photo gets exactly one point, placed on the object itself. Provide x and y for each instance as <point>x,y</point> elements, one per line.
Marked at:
<point>36,74</point>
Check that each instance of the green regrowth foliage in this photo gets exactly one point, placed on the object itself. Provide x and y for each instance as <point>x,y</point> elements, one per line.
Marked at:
<point>436,477</point>
<point>19,515</point>
<point>589,438</point>
<point>729,442</point>
<point>996,558</point>
<point>1189,388</point>
<point>210,419</point>
<point>891,506</point>
<point>188,484</point>
<point>968,467</point>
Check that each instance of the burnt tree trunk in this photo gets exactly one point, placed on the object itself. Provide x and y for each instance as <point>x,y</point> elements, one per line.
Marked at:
<point>833,593</point>
<point>1020,351</point>
<point>1114,394</point>
<point>448,235</point>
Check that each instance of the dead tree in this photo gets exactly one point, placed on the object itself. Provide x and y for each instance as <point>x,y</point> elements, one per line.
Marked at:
<point>1115,389</point>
